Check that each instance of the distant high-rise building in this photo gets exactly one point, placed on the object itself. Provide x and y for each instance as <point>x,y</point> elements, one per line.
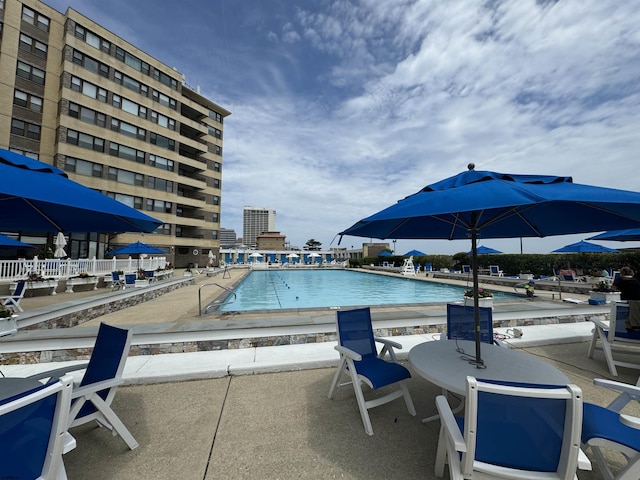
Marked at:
<point>255,221</point>
<point>227,238</point>
<point>115,119</point>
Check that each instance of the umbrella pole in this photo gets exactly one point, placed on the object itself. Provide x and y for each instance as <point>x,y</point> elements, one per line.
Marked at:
<point>476,313</point>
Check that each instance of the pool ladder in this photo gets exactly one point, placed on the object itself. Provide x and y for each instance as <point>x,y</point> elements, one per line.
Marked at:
<point>215,303</point>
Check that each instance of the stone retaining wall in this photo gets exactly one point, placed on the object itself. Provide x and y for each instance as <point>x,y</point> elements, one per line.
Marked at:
<point>266,341</point>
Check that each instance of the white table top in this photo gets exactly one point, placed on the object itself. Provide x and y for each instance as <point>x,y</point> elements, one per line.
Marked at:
<point>10,386</point>
<point>440,363</point>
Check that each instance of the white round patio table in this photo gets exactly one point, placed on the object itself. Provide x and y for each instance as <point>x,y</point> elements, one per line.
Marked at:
<point>10,386</point>
<point>440,363</point>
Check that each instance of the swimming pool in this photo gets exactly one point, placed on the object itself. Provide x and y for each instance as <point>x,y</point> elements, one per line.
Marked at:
<point>285,289</point>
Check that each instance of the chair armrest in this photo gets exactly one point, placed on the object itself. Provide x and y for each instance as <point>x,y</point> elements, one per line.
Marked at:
<point>600,323</point>
<point>632,390</point>
<point>388,343</point>
<point>96,387</point>
<point>347,352</point>
<point>58,372</point>
<point>448,423</point>
<point>630,421</point>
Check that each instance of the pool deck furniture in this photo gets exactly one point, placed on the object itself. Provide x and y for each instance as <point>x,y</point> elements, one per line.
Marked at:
<point>447,363</point>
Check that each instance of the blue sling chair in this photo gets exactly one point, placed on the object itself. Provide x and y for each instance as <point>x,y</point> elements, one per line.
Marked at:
<point>360,360</point>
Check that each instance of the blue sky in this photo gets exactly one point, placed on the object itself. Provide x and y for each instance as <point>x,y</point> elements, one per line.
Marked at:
<point>341,108</point>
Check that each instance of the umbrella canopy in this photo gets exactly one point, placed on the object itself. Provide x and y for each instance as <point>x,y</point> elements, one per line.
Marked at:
<point>60,243</point>
<point>414,253</point>
<point>488,204</point>
<point>585,247</point>
<point>629,235</point>
<point>293,255</point>
<point>385,254</point>
<point>9,242</point>
<point>137,248</point>
<point>482,250</point>
<point>35,196</point>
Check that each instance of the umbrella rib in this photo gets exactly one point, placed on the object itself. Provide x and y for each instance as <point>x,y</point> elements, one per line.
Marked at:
<point>58,227</point>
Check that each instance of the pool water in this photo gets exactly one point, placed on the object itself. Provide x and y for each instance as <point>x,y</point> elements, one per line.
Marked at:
<point>285,289</point>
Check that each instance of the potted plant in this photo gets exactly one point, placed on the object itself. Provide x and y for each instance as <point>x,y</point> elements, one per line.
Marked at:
<point>7,321</point>
<point>83,278</point>
<point>604,291</point>
<point>485,298</point>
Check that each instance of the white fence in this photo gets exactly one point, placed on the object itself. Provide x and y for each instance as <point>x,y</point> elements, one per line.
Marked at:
<point>12,270</point>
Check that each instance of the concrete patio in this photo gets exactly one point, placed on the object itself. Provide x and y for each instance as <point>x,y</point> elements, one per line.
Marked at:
<point>283,426</point>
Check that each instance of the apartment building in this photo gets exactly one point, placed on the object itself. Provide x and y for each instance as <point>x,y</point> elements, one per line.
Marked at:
<point>117,120</point>
<point>256,220</point>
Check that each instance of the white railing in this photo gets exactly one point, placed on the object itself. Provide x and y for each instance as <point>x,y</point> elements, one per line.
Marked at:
<point>12,270</point>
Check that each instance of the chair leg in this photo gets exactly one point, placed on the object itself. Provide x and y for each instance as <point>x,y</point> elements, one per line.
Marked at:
<point>608,355</point>
<point>114,421</point>
<point>592,345</point>
<point>336,377</point>
<point>407,398</point>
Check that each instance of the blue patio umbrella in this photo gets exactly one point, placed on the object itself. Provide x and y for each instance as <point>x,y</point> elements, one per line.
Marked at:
<point>414,253</point>
<point>482,250</point>
<point>584,247</point>
<point>385,254</point>
<point>136,248</point>
<point>37,197</point>
<point>9,242</point>
<point>483,204</point>
<point>630,235</point>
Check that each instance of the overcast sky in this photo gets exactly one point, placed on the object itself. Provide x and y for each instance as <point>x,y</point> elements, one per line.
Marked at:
<point>341,108</point>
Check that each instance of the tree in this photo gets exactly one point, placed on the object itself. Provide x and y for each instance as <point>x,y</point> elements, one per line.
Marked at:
<point>313,244</point>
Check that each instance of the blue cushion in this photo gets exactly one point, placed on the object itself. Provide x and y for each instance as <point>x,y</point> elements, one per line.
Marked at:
<point>600,422</point>
<point>380,372</point>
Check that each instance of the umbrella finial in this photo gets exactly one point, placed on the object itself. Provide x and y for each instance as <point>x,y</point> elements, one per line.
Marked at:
<point>471,166</point>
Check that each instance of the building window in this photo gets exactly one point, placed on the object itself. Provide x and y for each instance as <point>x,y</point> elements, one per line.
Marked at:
<point>215,217</point>
<point>162,141</point>
<point>33,46</point>
<point>130,200</point>
<point>125,176</point>
<point>34,74</point>
<point>214,234</point>
<point>214,132</point>
<point>217,149</point>
<point>88,89</point>
<point>165,79</point>
<point>35,18</point>
<point>216,200</point>
<point>163,120</point>
<point>131,83</point>
<point>216,183</point>
<point>128,129</point>
<point>90,63</point>
<point>83,167</point>
<point>217,166</point>
<point>163,99</point>
<point>161,163</point>
<point>92,39</point>
<point>164,229</point>
<point>132,61</point>
<point>215,116</point>
<point>128,106</point>
<point>85,141</point>
<point>27,100</point>
<point>87,115</point>
<point>160,184</point>
<point>128,153</point>
<point>25,129</point>
<point>159,206</point>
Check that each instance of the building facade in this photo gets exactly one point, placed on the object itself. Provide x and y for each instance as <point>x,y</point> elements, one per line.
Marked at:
<point>228,238</point>
<point>117,120</point>
<point>271,241</point>
<point>255,221</point>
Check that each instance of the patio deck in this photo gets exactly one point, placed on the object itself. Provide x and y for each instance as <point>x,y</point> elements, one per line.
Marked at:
<point>282,425</point>
<point>279,425</point>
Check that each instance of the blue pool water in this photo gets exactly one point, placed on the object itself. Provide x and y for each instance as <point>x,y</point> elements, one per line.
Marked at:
<point>283,289</point>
